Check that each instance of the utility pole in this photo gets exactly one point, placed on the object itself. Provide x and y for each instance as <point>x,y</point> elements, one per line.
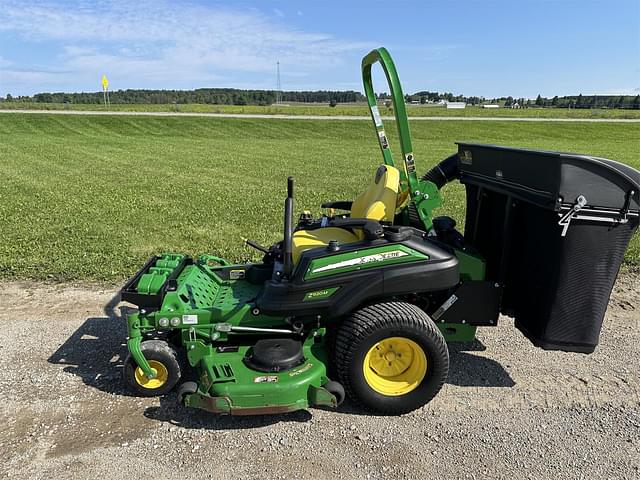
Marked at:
<point>278,85</point>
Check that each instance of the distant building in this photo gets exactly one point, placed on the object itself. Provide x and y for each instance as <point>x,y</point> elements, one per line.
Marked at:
<point>515,105</point>
<point>490,105</point>
<point>456,104</point>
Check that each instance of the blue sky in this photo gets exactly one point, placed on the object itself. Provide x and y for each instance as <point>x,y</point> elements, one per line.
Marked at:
<point>489,48</point>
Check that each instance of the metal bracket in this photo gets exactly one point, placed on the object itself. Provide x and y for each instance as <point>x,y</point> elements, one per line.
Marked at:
<point>565,220</point>
<point>579,211</point>
<point>133,344</point>
<point>192,334</point>
<point>228,328</point>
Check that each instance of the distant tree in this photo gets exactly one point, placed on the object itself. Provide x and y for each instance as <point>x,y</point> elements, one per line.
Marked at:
<point>509,101</point>
<point>539,101</point>
<point>636,103</point>
<point>620,103</point>
<point>333,102</point>
<point>388,103</point>
<point>423,100</point>
<point>554,101</point>
<point>9,97</point>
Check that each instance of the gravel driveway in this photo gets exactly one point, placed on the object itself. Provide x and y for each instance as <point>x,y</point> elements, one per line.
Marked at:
<point>509,410</point>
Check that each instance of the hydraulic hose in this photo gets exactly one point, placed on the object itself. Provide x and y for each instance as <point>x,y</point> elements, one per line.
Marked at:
<point>444,172</point>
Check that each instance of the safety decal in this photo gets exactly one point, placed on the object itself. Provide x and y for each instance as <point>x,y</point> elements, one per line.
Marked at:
<point>236,274</point>
<point>384,143</point>
<point>377,119</point>
<point>411,165</point>
<point>444,307</point>
<point>190,319</point>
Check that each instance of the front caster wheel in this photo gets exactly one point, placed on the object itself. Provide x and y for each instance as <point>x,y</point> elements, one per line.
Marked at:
<point>163,359</point>
<point>335,389</point>
<point>187,388</point>
<point>391,357</point>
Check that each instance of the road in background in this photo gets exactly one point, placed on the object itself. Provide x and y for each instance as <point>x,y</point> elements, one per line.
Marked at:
<point>322,117</point>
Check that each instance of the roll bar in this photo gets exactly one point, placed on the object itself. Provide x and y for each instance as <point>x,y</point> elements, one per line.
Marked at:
<point>382,55</point>
<point>423,193</point>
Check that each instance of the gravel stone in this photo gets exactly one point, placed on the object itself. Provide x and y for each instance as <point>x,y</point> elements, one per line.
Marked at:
<point>508,409</point>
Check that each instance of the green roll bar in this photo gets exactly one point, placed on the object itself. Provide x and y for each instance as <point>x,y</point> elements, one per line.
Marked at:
<point>422,193</point>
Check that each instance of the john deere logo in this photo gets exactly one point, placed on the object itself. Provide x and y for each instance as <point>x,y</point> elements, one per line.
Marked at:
<point>318,294</point>
<point>354,262</point>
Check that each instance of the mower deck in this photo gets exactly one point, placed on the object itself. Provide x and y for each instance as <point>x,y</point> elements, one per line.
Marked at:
<point>228,385</point>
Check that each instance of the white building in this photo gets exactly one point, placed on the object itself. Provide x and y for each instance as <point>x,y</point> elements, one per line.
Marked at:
<point>490,105</point>
<point>456,104</point>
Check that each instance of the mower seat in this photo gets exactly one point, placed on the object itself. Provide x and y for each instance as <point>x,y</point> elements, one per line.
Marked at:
<point>378,202</point>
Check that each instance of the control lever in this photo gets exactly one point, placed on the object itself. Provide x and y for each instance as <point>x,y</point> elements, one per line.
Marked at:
<point>288,229</point>
<point>256,245</point>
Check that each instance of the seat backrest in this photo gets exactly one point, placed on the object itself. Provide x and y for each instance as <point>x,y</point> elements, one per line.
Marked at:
<point>378,202</point>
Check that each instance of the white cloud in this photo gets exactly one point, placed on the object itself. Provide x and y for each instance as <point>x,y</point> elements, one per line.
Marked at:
<point>177,44</point>
<point>617,91</point>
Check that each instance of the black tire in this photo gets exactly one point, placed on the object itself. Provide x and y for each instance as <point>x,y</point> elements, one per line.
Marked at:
<point>160,354</point>
<point>335,389</point>
<point>185,389</point>
<point>363,329</point>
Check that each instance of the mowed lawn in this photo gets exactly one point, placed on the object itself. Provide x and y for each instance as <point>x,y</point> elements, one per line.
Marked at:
<point>91,197</point>
<point>348,109</point>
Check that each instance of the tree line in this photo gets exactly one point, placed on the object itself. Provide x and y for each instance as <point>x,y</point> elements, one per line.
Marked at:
<point>217,96</point>
<point>234,96</point>
<point>570,101</point>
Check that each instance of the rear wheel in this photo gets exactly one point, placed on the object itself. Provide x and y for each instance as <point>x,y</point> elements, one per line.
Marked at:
<point>163,360</point>
<point>391,357</point>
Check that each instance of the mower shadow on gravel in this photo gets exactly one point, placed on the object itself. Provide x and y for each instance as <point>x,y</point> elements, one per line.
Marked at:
<point>469,370</point>
<point>96,351</point>
<point>170,412</point>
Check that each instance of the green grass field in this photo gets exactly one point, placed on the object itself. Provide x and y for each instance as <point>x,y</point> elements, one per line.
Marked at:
<point>90,198</point>
<point>344,109</point>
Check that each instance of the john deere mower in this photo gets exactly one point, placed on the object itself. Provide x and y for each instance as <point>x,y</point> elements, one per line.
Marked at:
<point>362,301</point>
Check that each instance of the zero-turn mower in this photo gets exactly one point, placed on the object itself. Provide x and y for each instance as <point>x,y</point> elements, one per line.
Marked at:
<point>362,303</point>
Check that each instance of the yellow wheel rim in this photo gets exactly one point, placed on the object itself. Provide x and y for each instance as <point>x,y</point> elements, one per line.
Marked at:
<point>395,366</point>
<point>162,374</point>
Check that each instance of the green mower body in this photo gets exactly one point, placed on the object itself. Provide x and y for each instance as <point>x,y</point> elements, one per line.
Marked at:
<point>369,318</point>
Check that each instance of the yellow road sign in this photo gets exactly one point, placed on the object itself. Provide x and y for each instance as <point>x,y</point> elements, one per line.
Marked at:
<point>105,82</point>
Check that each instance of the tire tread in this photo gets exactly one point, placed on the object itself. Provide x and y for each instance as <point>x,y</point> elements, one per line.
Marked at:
<point>365,322</point>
